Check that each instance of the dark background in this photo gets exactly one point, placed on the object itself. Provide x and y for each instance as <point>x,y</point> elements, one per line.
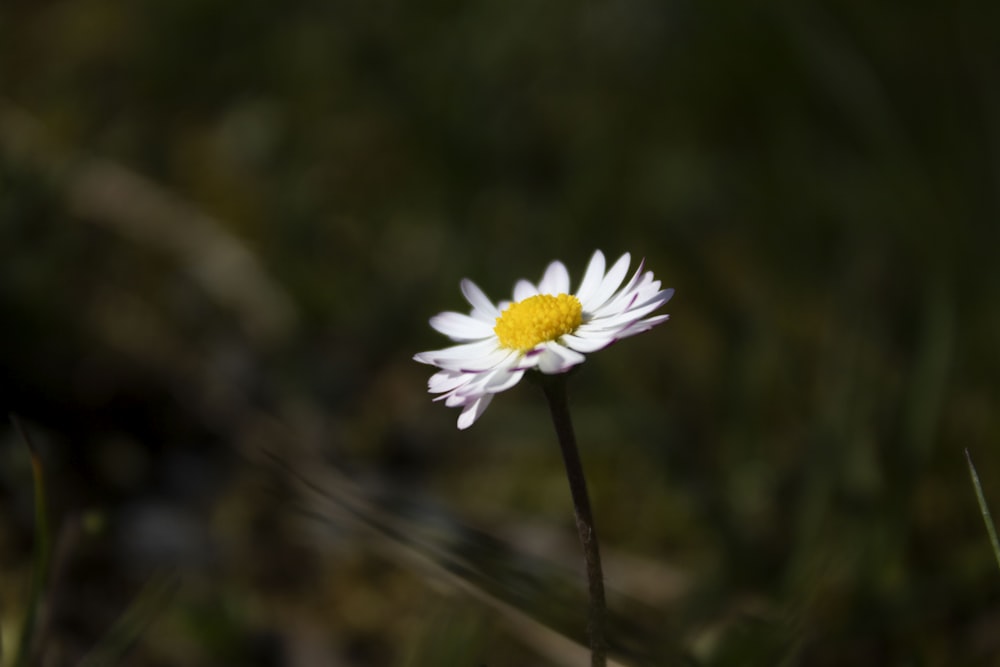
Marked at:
<point>223,227</point>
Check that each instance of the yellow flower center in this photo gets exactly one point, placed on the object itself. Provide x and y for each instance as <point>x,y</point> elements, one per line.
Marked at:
<point>539,318</point>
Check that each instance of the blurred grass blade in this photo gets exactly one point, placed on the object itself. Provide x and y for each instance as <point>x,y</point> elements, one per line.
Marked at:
<point>539,601</point>
<point>43,547</point>
<point>150,601</point>
<point>987,518</point>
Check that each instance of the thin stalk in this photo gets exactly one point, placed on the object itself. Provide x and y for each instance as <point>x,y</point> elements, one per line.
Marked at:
<point>43,549</point>
<point>987,519</point>
<point>555,391</point>
<point>130,626</point>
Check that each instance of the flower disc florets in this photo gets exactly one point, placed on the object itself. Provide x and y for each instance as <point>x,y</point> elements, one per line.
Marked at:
<point>538,319</point>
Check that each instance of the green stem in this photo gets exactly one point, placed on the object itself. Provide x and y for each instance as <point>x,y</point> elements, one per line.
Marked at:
<point>555,391</point>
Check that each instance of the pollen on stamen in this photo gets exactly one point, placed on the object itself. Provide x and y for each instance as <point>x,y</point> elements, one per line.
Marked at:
<point>538,319</point>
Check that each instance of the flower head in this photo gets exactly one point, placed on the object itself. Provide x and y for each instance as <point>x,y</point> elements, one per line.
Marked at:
<point>545,328</point>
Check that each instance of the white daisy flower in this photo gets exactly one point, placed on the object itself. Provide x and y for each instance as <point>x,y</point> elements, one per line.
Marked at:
<point>545,328</point>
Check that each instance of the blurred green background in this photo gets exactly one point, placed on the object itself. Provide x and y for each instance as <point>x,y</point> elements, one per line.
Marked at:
<point>223,228</point>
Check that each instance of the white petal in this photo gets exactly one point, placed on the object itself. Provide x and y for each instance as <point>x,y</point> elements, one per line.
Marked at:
<point>474,411</point>
<point>504,381</point>
<point>621,319</point>
<point>465,351</point>
<point>592,278</point>
<point>501,378</point>
<point>555,281</point>
<point>558,359</point>
<point>456,400</point>
<point>625,293</point>
<point>487,363</point>
<point>587,344</point>
<point>647,292</point>
<point>608,285</point>
<point>529,359</point>
<point>461,327</point>
<point>494,380</point>
<point>470,357</point>
<point>523,289</point>
<point>482,308</point>
<point>642,325</point>
<point>444,381</point>
<point>425,358</point>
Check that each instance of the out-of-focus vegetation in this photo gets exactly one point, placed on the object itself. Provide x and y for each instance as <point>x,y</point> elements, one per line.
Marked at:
<point>223,227</point>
